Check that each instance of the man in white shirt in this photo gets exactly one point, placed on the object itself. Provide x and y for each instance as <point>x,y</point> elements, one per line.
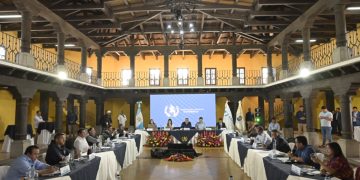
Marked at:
<point>200,125</point>
<point>80,143</point>
<point>274,125</point>
<point>122,119</point>
<point>355,116</point>
<point>262,136</point>
<point>325,121</point>
<point>38,119</point>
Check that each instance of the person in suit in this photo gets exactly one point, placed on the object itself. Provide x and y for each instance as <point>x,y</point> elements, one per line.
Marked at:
<point>249,118</point>
<point>56,151</point>
<point>281,144</point>
<point>106,120</point>
<point>336,123</point>
<point>186,124</point>
<point>220,124</point>
<point>355,116</point>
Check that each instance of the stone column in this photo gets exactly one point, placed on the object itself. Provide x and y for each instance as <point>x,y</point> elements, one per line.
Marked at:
<point>44,104</point>
<point>330,101</point>
<point>200,78</point>
<point>24,57</point>
<point>83,100</point>
<point>99,110</point>
<point>59,104</point>
<point>99,55</point>
<point>349,146</point>
<point>23,96</point>
<point>271,101</point>
<point>287,103</point>
<point>309,96</point>
<point>132,104</point>
<point>306,48</point>
<point>269,65</point>
<point>70,107</point>
<point>262,111</point>
<point>342,52</point>
<point>166,81</point>
<point>284,59</point>
<point>83,76</point>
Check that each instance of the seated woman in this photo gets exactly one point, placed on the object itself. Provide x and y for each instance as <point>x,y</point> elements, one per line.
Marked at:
<point>152,124</point>
<point>262,136</point>
<point>337,166</point>
<point>169,124</point>
<point>200,125</point>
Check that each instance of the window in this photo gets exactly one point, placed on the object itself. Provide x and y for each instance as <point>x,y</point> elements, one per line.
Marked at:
<point>154,77</point>
<point>210,76</point>
<point>2,53</point>
<point>264,74</point>
<point>183,75</point>
<point>125,76</point>
<point>89,73</point>
<point>240,73</point>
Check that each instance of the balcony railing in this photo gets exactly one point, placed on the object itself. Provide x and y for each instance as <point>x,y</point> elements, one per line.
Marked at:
<point>322,55</point>
<point>142,79</point>
<point>44,60</point>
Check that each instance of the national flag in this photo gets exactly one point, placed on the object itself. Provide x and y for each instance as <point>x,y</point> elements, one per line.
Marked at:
<point>139,117</point>
<point>227,118</point>
<point>240,120</point>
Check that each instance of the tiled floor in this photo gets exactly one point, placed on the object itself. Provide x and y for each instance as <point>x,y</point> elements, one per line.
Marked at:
<point>213,164</point>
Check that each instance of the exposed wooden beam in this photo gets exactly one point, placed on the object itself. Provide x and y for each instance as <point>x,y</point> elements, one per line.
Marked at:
<point>301,21</point>
<point>285,2</point>
<point>37,8</point>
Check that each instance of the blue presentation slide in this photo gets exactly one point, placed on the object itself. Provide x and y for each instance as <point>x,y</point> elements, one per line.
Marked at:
<point>179,106</point>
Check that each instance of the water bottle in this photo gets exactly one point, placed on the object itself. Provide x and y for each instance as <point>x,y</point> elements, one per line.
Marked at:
<point>32,172</point>
<point>231,178</point>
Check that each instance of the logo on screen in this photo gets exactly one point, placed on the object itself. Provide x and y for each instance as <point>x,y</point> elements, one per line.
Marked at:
<point>171,111</point>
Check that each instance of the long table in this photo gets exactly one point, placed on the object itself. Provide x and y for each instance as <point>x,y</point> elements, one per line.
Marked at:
<point>258,165</point>
<point>184,136</point>
<point>107,163</point>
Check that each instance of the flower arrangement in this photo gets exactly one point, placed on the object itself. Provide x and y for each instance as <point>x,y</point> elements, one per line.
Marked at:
<point>209,139</point>
<point>178,157</point>
<point>159,139</point>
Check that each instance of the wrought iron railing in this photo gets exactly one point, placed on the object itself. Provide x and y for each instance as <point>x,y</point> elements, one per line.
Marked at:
<point>44,60</point>
<point>353,42</point>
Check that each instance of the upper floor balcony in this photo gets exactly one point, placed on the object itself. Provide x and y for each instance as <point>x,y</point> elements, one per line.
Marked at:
<point>46,62</point>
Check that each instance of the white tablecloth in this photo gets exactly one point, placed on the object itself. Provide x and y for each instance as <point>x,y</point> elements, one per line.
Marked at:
<point>144,136</point>
<point>234,151</point>
<point>223,139</point>
<point>131,151</point>
<point>6,147</point>
<point>357,133</point>
<point>254,164</point>
<point>108,167</point>
<point>44,137</point>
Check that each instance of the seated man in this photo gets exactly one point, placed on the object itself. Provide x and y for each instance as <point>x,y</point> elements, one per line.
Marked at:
<point>200,125</point>
<point>220,124</point>
<point>303,151</point>
<point>262,136</point>
<point>56,151</point>
<point>80,144</point>
<point>186,124</point>
<point>281,143</point>
<point>92,138</point>
<point>109,133</point>
<point>274,125</point>
<point>152,124</point>
<point>23,164</point>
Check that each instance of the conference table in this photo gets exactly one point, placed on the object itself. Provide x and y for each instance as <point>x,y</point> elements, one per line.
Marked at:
<point>257,164</point>
<point>357,133</point>
<point>184,136</point>
<point>108,161</point>
<point>45,131</point>
<point>9,137</point>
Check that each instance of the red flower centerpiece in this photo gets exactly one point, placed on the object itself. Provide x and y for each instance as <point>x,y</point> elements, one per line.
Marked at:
<point>178,157</point>
<point>209,139</point>
<point>159,139</point>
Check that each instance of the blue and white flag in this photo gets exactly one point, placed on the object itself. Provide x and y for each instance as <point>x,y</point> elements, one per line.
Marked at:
<point>139,117</point>
<point>227,118</point>
<point>240,120</point>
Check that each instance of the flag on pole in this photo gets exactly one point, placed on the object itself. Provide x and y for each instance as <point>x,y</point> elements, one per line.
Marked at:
<point>227,118</point>
<point>240,121</point>
<point>139,117</point>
